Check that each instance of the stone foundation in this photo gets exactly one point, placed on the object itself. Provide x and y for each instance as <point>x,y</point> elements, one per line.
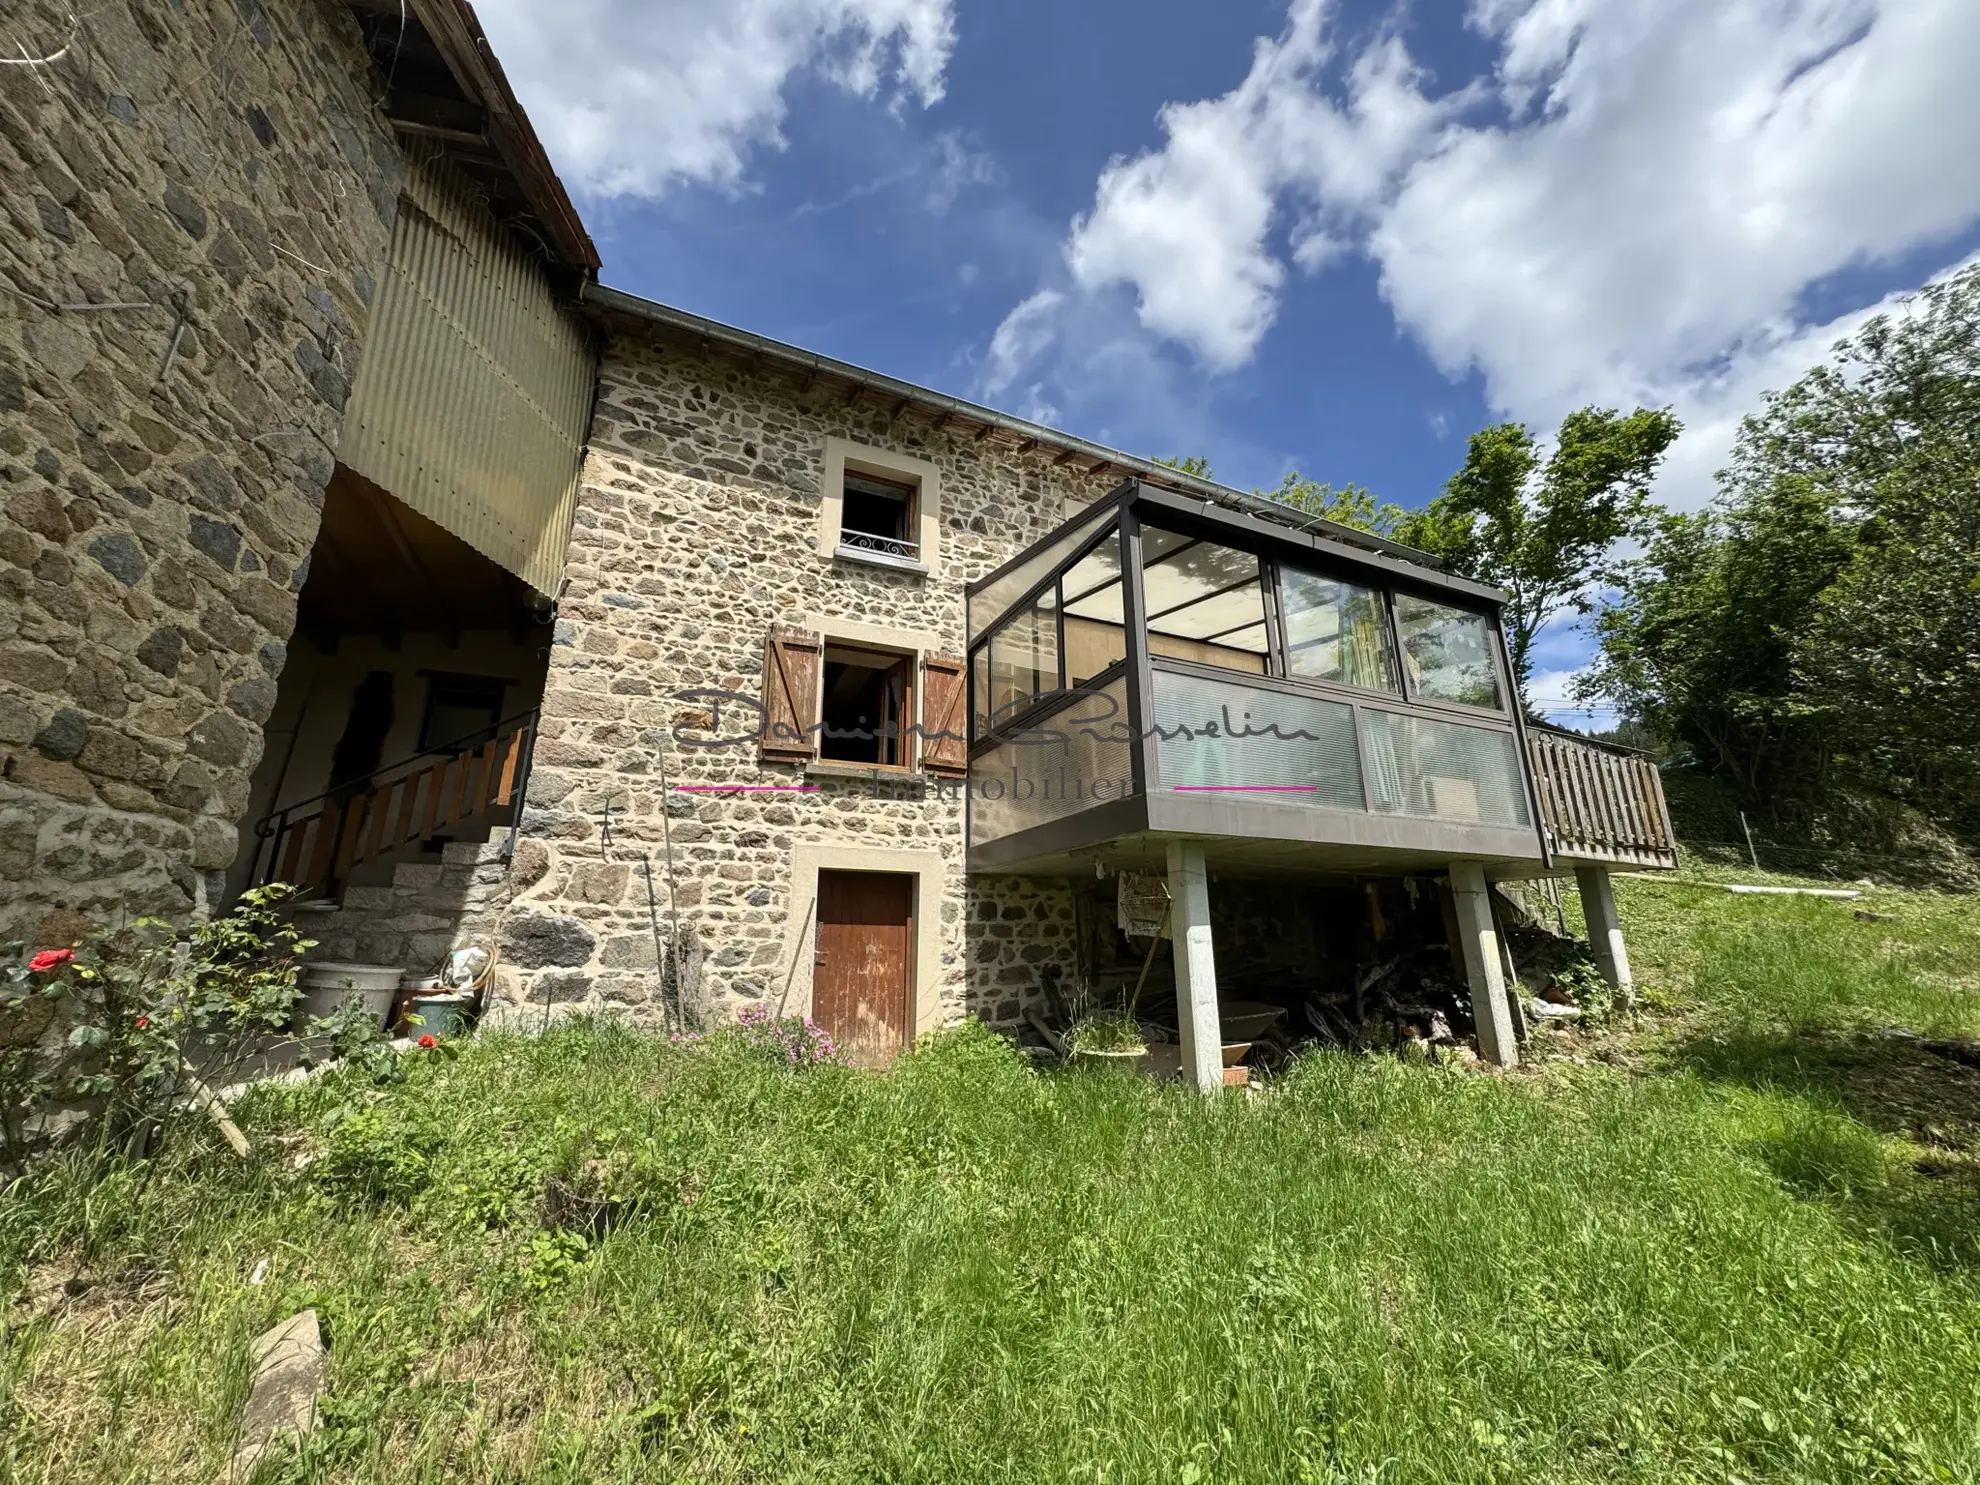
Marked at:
<point>216,171</point>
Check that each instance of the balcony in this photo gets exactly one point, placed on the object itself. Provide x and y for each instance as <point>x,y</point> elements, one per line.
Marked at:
<point>1162,667</point>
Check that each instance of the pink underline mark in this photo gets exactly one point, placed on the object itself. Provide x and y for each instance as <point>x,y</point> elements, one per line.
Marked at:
<point>746,789</point>
<point>1247,788</point>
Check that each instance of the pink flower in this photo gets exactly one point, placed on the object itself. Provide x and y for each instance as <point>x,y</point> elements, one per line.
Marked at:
<point>49,959</point>
<point>142,1022</point>
<point>428,1042</point>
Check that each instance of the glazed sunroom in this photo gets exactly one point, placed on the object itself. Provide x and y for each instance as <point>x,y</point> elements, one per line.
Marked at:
<point>1165,683</point>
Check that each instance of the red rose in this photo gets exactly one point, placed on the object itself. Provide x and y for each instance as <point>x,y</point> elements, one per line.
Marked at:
<point>49,959</point>
<point>428,1042</point>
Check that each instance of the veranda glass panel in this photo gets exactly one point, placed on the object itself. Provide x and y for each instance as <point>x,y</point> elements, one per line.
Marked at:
<point>1024,660</point>
<point>1091,594</point>
<point>1337,632</point>
<point>1442,770</point>
<point>990,605</point>
<point>1448,653</point>
<point>1227,738</point>
<point>1205,602</point>
<point>1069,761</point>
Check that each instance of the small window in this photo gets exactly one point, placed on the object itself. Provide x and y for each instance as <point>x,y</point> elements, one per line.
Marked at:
<point>1447,653</point>
<point>866,706</point>
<point>461,712</point>
<point>1337,632</point>
<point>878,518</point>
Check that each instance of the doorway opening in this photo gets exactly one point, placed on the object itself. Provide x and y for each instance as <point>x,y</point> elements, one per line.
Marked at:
<point>862,981</point>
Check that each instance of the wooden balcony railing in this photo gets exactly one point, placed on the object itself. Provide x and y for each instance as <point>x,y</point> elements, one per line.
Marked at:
<point>1601,804</point>
<point>314,845</point>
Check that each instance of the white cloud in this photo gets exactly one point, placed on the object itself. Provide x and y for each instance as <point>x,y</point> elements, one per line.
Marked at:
<point>957,168</point>
<point>1633,207</point>
<point>1022,338</point>
<point>1188,225</point>
<point>633,97</point>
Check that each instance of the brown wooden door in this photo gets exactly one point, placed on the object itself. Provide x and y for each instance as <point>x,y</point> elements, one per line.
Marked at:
<point>862,979</point>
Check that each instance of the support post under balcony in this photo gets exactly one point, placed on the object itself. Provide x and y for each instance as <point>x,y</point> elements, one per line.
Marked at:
<point>1196,968</point>
<point>1605,935</point>
<point>1483,967</point>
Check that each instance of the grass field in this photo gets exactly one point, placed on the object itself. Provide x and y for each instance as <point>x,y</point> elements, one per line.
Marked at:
<point>1737,1242</point>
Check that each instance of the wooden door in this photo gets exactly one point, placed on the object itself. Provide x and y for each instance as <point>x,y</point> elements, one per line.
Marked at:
<point>862,981</point>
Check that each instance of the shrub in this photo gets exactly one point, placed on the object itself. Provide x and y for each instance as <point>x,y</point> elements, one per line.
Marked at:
<point>130,1011</point>
<point>797,1041</point>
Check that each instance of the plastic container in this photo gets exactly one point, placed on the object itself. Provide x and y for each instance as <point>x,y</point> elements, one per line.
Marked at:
<point>326,987</point>
<point>441,1013</point>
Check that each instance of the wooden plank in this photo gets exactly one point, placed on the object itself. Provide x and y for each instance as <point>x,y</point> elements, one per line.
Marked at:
<point>436,784</point>
<point>1563,809</point>
<point>379,821</point>
<point>484,775</point>
<point>511,761</point>
<point>408,802</point>
<point>290,846</point>
<point>326,842</point>
<point>456,785</point>
<point>1598,778</point>
<point>1546,775</point>
<point>353,835</point>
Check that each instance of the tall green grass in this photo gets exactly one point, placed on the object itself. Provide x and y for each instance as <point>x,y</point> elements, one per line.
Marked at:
<point>967,1270</point>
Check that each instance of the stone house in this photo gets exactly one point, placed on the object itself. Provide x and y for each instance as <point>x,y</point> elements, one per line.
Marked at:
<point>355,536</point>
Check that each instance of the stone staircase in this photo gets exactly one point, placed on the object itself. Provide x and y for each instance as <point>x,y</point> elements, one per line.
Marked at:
<point>424,907</point>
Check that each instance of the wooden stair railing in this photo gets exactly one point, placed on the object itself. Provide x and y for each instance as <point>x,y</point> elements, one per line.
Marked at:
<point>1601,803</point>
<point>316,844</point>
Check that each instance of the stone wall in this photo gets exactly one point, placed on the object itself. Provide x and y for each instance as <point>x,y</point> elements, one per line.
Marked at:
<point>216,172</point>
<point>695,534</point>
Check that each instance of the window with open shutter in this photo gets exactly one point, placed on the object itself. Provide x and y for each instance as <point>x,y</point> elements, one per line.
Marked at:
<point>944,719</point>
<point>790,696</point>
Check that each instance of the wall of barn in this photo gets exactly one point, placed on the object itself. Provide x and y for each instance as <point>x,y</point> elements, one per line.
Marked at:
<point>696,532</point>
<point>199,198</point>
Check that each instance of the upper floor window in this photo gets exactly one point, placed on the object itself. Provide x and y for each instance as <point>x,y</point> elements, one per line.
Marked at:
<point>1448,653</point>
<point>879,507</point>
<point>878,515</point>
<point>1337,631</point>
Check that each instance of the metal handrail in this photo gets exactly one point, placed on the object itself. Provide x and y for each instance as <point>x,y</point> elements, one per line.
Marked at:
<point>883,546</point>
<point>367,783</point>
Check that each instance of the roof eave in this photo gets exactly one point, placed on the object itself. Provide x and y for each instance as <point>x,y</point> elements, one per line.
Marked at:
<point>606,301</point>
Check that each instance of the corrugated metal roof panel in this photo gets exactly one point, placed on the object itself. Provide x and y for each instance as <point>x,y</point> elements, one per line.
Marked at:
<point>474,392</point>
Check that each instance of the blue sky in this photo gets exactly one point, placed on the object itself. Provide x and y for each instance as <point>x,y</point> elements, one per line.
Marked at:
<point>1322,234</point>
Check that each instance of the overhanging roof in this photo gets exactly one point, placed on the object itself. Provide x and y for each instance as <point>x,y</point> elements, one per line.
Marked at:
<point>446,87</point>
<point>940,410</point>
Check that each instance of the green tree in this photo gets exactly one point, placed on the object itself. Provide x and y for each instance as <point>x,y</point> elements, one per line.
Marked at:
<point>1545,529</point>
<point>1346,505</point>
<point>1813,633</point>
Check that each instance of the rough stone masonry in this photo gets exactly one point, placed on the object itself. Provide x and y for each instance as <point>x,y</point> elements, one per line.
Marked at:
<point>199,198</point>
<point>695,535</point>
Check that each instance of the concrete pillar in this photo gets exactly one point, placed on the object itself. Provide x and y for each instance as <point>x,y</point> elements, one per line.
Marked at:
<point>1605,935</point>
<point>1196,968</point>
<point>1483,967</point>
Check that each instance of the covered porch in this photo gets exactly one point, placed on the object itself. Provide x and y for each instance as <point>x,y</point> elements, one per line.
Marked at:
<point>1168,686</point>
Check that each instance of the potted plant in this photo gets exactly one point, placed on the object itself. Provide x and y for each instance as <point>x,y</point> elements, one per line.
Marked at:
<point>1102,1037</point>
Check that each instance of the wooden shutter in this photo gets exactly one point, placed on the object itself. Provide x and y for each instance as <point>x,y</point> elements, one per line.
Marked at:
<point>790,696</point>
<point>944,723</point>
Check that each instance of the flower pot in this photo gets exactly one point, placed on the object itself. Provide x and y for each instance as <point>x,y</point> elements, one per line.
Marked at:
<point>1126,1057</point>
<point>327,987</point>
<point>442,1013</point>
